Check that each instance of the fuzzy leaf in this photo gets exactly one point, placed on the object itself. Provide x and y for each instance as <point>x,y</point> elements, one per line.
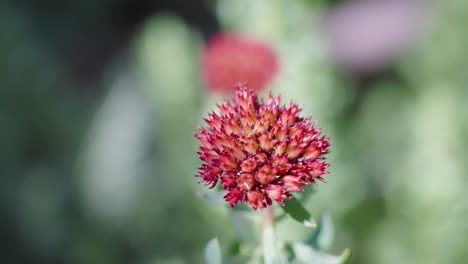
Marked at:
<point>323,237</point>
<point>295,209</point>
<point>345,256</point>
<point>213,252</point>
<point>305,254</point>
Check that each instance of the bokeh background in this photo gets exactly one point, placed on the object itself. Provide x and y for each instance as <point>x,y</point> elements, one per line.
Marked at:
<point>100,100</point>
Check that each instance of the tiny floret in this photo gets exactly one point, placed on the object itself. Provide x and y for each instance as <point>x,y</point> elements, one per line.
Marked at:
<point>260,152</point>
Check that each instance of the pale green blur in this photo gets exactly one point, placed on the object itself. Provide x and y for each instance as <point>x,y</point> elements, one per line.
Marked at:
<point>398,185</point>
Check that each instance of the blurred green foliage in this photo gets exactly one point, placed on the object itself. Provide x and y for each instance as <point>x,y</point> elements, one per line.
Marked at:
<point>107,176</point>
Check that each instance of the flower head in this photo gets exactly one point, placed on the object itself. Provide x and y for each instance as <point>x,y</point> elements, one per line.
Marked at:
<point>260,151</point>
<point>228,59</point>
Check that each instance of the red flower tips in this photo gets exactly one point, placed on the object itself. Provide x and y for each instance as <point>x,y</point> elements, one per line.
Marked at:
<point>228,59</point>
<point>260,151</point>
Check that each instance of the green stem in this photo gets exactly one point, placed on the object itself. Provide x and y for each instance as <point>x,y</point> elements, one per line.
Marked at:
<point>268,217</point>
<point>268,236</point>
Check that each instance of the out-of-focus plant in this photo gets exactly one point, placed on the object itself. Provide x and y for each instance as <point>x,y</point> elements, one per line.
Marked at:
<point>231,58</point>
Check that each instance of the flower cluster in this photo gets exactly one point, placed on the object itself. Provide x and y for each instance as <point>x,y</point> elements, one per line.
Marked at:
<point>228,59</point>
<point>260,151</point>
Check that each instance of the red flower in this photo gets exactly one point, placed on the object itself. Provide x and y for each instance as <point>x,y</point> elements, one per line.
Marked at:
<point>228,59</point>
<point>260,151</point>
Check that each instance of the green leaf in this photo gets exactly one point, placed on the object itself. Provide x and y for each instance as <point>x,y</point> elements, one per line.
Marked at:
<point>213,252</point>
<point>234,248</point>
<point>345,256</point>
<point>289,251</point>
<point>305,254</point>
<point>295,209</point>
<point>323,237</point>
<point>303,196</point>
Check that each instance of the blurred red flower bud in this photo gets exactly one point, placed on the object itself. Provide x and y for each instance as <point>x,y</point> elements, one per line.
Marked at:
<point>228,59</point>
